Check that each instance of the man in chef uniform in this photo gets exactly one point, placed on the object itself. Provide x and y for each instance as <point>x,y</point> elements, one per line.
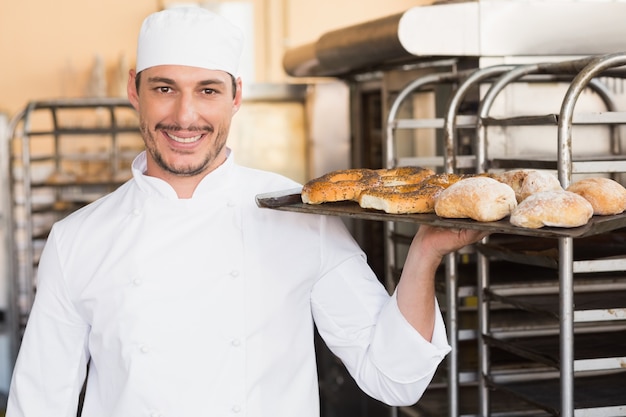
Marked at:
<point>184,299</point>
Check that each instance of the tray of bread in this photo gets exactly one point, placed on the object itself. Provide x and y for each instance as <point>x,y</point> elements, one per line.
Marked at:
<point>519,202</point>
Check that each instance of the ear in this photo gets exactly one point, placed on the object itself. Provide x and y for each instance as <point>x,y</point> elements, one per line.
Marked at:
<point>131,89</point>
<point>238,96</point>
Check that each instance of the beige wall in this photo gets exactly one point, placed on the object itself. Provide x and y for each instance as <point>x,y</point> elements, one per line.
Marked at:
<point>49,48</point>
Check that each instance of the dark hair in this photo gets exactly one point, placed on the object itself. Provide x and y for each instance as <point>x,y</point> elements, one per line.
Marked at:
<point>232,78</point>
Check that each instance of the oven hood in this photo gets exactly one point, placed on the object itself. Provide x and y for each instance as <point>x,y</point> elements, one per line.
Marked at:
<point>345,50</point>
<point>466,29</point>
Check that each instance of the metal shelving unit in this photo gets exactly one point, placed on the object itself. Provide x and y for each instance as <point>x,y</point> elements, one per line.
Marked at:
<point>63,155</point>
<point>457,288</point>
<point>499,329</point>
<point>398,238</point>
<point>582,356</point>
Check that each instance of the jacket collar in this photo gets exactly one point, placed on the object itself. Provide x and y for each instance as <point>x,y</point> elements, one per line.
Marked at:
<point>216,179</point>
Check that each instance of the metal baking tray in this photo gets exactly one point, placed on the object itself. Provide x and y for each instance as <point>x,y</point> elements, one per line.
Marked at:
<point>290,200</point>
<point>592,350</point>
<point>595,395</point>
<point>609,248</point>
<point>610,304</point>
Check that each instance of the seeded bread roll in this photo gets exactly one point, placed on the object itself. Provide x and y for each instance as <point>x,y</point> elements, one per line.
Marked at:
<point>482,199</point>
<point>340,185</point>
<point>552,208</point>
<point>410,198</point>
<point>401,199</point>
<point>403,175</point>
<point>607,196</point>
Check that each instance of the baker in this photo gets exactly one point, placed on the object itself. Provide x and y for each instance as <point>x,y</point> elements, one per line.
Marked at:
<point>176,296</point>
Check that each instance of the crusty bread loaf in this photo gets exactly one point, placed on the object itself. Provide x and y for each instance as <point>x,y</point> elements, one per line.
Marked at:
<point>526,182</point>
<point>482,199</point>
<point>552,208</point>
<point>607,196</point>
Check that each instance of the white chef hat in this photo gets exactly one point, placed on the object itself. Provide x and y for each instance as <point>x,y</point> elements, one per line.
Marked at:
<point>191,36</point>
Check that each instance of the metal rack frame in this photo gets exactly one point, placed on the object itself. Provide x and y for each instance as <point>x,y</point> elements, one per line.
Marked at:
<point>584,73</point>
<point>103,121</point>
<point>580,74</point>
<point>393,160</point>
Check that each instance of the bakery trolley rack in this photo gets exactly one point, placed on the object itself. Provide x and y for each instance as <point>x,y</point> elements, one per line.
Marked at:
<point>466,83</point>
<point>570,399</point>
<point>452,160</point>
<point>63,154</point>
<point>392,159</point>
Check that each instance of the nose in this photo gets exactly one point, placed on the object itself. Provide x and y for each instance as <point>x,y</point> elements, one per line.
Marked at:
<point>186,112</point>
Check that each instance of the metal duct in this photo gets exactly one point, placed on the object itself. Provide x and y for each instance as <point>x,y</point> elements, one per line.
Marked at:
<point>345,50</point>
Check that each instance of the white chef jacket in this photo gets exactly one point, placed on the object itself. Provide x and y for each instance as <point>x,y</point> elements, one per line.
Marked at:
<point>206,307</point>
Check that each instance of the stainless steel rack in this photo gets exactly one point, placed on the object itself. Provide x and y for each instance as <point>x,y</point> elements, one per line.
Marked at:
<point>467,86</point>
<point>580,74</point>
<point>63,155</point>
<point>563,389</point>
<point>396,238</point>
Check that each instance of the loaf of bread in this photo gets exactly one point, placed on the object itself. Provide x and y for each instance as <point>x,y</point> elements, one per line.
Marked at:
<point>607,196</point>
<point>479,198</point>
<point>401,199</point>
<point>340,185</point>
<point>526,182</point>
<point>552,208</point>
<point>348,184</point>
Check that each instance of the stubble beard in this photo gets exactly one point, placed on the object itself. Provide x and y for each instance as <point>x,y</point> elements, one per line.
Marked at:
<point>182,171</point>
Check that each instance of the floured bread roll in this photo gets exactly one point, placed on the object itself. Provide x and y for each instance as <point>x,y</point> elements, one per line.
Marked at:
<point>528,181</point>
<point>482,199</point>
<point>606,196</point>
<point>552,208</point>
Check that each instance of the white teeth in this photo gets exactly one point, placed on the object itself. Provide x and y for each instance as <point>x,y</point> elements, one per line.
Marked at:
<point>184,140</point>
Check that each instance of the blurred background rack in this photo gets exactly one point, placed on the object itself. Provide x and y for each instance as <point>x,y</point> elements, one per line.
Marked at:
<point>64,154</point>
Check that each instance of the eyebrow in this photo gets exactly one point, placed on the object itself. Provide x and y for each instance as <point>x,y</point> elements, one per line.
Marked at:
<point>170,81</point>
<point>163,80</point>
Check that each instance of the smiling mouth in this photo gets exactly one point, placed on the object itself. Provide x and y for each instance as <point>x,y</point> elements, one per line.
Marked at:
<point>179,139</point>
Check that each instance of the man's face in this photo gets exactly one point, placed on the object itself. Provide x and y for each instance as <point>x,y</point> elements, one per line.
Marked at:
<point>185,115</point>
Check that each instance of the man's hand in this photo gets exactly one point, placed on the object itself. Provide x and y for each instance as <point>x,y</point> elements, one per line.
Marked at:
<point>416,289</point>
<point>436,242</point>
